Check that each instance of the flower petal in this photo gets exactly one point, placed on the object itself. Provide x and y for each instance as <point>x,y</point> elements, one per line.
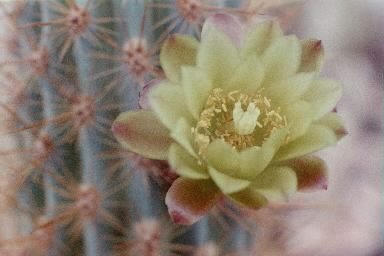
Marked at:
<point>260,37</point>
<point>189,200</point>
<point>142,133</point>
<point>197,87</point>
<point>334,122</point>
<point>248,76</point>
<point>254,160</point>
<point>177,51</point>
<point>282,58</point>
<point>323,95</point>
<point>276,183</point>
<point>311,172</point>
<point>317,137</point>
<point>249,198</point>
<point>300,117</point>
<point>312,58</point>
<point>289,90</point>
<point>223,157</point>
<point>185,165</point>
<point>227,184</point>
<point>182,134</point>
<point>217,56</point>
<point>144,94</point>
<point>168,101</point>
<point>227,24</point>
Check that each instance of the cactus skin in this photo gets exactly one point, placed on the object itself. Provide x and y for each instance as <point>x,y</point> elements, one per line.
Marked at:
<point>85,61</point>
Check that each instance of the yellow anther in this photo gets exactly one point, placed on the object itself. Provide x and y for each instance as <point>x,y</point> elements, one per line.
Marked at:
<point>224,107</point>
<point>224,118</point>
<point>267,102</point>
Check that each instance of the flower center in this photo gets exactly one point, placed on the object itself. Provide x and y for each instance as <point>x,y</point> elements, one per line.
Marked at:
<point>242,120</point>
<point>245,121</point>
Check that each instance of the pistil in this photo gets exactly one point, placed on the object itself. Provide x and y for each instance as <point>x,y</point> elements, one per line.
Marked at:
<point>245,121</point>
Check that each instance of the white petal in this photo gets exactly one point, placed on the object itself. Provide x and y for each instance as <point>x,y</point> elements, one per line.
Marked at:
<point>290,89</point>
<point>260,37</point>
<point>227,184</point>
<point>168,102</point>
<point>197,87</point>
<point>282,58</point>
<point>217,56</point>
<point>254,160</point>
<point>182,134</point>
<point>317,137</point>
<point>185,165</point>
<point>276,183</point>
<point>227,24</point>
<point>323,95</point>
<point>142,133</point>
<point>248,76</point>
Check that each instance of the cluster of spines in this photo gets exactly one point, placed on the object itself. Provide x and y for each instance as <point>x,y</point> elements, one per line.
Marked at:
<point>65,77</point>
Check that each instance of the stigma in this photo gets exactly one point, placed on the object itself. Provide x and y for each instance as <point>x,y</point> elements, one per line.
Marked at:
<point>245,121</point>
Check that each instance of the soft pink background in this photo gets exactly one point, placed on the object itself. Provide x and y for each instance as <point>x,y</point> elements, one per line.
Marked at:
<point>350,220</point>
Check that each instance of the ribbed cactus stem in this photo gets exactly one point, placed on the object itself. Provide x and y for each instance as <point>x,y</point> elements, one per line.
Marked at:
<point>93,169</point>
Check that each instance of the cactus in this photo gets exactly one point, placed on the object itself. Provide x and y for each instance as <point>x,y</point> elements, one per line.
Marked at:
<point>75,66</point>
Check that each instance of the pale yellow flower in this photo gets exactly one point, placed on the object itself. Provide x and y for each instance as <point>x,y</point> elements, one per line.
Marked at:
<point>237,115</point>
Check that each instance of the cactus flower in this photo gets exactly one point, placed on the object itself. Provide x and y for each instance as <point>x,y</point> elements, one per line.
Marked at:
<point>238,116</point>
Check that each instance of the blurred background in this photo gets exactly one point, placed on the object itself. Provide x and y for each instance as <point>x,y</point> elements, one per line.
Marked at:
<point>347,219</point>
<point>352,32</point>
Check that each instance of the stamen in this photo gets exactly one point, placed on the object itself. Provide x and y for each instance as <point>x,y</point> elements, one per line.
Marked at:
<point>224,118</point>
